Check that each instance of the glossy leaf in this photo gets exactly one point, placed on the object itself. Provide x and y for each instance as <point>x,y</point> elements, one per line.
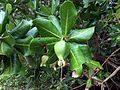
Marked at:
<point>32,32</point>
<point>77,59</point>
<point>6,49</point>
<point>86,51</point>
<point>68,15</point>
<point>33,4</point>
<point>118,39</point>
<point>46,28</point>
<point>81,35</point>
<point>21,29</point>
<point>55,4</point>
<point>4,17</point>
<point>37,44</point>
<point>45,9</point>
<point>89,83</point>
<point>56,22</point>
<point>16,64</point>
<point>9,39</point>
<point>93,65</point>
<point>23,45</point>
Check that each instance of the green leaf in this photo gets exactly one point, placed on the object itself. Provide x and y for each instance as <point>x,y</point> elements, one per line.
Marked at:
<point>9,7</point>
<point>55,4</point>
<point>21,29</point>
<point>45,9</point>
<point>77,59</point>
<point>118,39</point>
<point>33,5</point>
<point>86,51</point>
<point>37,44</point>
<point>23,45</point>
<point>0,27</point>
<point>51,54</point>
<point>68,15</point>
<point>16,64</point>
<point>97,78</point>
<point>6,49</point>
<point>93,65</point>
<point>4,17</point>
<point>46,28</point>
<point>9,39</point>
<point>118,13</point>
<point>10,26</point>
<point>86,3</point>
<point>32,32</point>
<point>89,83</point>
<point>56,22</point>
<point>81,35</point>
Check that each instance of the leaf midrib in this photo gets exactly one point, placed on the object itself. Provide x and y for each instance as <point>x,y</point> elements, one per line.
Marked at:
<point>78,34</point>
<point>51,32</point>
<point>66,24</point>
<point>75,58</point>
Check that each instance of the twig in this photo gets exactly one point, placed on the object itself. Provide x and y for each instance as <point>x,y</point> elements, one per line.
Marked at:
<point>106,61</point>
<point>112,64</point>
<point>110,56</point>
<point>111,74</point>
<point>25,7</point>
<point>117,18</point>
<point>117,84</point>
<point>79,86</point>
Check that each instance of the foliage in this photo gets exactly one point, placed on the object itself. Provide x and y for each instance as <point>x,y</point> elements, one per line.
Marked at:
<point>54,44</point>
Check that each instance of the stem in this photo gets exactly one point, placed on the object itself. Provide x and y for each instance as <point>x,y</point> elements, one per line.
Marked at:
<point>61,73</point>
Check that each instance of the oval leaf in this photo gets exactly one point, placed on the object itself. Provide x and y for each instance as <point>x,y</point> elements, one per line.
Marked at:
<point>56,22</point>
<point>86,51</point>
<point>81,35</point>
<point>6,49</point>
<point>9,39</point>
<point>77,59</point>
<point>68,15</point>
<point>23,45</point>
<point>46,28</point>
<point>93,65</point>
<point>21,29</point>
<point>37,44</point>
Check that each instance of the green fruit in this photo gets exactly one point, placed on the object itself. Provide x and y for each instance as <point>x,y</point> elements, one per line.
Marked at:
<point>61,49</point>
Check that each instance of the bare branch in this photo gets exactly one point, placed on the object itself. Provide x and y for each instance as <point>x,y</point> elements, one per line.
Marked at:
<point>112,74</point>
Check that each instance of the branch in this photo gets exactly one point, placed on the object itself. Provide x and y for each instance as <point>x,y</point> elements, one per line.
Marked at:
<point>117,18</point>
<point>111,56</point>
<point>78,86</point>
<point>25,7</point>
<point>111,74</point>
<point>106,61</point>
